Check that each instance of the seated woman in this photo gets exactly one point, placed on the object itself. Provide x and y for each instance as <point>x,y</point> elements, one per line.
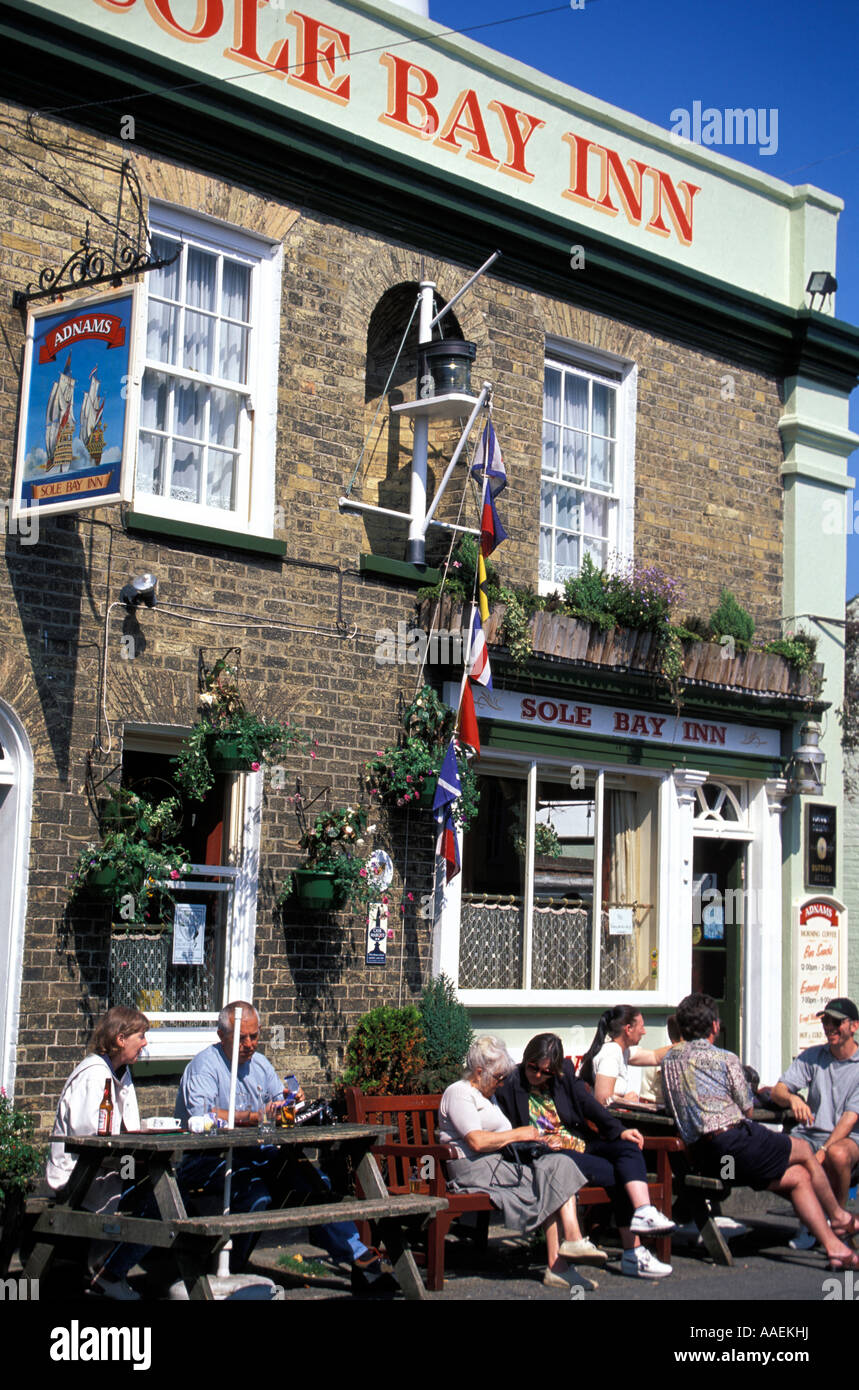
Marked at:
<point>544,1090</point>
<point>605,1065</point>
<point>118,1040</point>
<point>528,1195</point>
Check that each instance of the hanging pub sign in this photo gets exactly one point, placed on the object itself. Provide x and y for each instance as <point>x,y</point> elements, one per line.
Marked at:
<point>819,846</point>
<point>75,436</point>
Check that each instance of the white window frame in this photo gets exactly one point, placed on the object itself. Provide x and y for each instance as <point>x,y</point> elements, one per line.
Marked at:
<point>448,900</point>
<point>245,792</point>
<point>254,512</point>
<point>623,375</point>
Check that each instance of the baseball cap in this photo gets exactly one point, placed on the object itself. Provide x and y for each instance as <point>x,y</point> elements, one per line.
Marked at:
<point>841,1008</point>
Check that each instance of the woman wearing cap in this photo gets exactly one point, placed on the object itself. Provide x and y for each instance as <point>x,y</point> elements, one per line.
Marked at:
<point>528,1195</point>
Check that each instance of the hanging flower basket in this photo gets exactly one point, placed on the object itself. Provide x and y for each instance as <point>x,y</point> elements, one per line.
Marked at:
<point>226,755</point>
<point>314,887</point>
<point>427,796</point>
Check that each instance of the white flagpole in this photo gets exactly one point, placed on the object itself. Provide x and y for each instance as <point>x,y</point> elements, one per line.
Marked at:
<point>224,1257</point>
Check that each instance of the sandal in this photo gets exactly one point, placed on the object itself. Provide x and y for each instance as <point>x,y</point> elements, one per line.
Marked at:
<point>837,1263</point>
<point>851,1228</point>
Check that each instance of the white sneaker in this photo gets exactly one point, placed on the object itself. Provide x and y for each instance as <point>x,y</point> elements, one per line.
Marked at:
<point>803,1240</point>
<point>648,1221</point>
<point>730,1228</point>
<point>641,1263</point>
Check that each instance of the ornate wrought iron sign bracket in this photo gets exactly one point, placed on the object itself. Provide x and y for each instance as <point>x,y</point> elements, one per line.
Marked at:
<point>90,265</point>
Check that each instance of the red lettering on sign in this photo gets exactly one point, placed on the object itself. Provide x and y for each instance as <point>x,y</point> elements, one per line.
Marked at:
<point>529,708</point>
<point>207,21</point>
<point>547,711</point>
<point>401,97</point>
<point>245,42</point>
<point>680,216</point>
<point>312,35</point>
<point>621,722</point>
<point>516,137</point>
<point>473,130</point>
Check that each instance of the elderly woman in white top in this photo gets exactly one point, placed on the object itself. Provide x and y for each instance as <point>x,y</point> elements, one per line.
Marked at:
<point>528,1195</point>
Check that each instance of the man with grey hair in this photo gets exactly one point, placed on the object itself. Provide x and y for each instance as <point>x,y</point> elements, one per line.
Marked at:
<point>257,1177</point>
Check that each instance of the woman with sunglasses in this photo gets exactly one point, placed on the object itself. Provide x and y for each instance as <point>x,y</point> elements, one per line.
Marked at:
<point>544,1091</point>
<point>528,1195</point>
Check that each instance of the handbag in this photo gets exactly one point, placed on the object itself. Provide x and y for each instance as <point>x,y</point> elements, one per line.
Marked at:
<point>524,1151</point>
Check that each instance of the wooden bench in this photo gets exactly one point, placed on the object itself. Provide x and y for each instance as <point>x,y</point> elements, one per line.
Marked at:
<point>415,1122</point>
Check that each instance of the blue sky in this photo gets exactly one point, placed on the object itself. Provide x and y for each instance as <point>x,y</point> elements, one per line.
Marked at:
<point>652,56</point>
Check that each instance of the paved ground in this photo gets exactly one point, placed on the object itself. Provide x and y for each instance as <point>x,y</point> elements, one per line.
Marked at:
<point>765,1268</point>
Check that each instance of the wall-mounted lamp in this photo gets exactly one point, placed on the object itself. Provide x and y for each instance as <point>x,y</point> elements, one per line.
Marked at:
<point>141,589</point>
<point>806,770</point>
<point>822,283</point>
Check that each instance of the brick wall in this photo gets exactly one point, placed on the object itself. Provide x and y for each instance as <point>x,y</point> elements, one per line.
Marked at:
<point>707,509</point>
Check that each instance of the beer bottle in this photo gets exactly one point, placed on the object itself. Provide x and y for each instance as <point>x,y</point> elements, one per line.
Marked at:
<point>105,1110</point>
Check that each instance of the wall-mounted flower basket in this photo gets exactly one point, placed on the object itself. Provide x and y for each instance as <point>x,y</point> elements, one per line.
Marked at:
<point>314,887</point>
<point>228,737</point>
<point>225,755</point>
<point>427,796</point>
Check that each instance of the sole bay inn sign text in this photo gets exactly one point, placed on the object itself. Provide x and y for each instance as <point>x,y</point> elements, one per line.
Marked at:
<point>621,722</point>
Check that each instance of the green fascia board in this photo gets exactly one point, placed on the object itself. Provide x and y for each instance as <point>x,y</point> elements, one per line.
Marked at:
<point>398,571</point>
<point>644,690</point>
<point>501,737</point>
<point>631,285</point>
<point>208,535</point>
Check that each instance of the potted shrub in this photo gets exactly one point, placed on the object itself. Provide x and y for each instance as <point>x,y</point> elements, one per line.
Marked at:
<point>387,1052</point>
<point>20,1166</point>
<point>228,737</point>
<point>335,871</point>
<point>407,774</point>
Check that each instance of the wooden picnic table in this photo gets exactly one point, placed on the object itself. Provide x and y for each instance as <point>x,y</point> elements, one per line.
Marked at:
<point>194,1240</point>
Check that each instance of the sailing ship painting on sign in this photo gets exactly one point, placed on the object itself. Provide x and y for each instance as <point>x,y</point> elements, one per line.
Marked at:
<point>75,434</point>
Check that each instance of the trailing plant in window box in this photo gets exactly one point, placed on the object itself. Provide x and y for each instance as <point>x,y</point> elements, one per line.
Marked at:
<point>228,737</point>
<point>730,619</point>
<point>800,648</point>
<point>405,775</point>
<point>461,574</point>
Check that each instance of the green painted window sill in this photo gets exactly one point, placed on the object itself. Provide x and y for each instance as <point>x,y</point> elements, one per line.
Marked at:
<point>209,535</point>
<point>399,571</point>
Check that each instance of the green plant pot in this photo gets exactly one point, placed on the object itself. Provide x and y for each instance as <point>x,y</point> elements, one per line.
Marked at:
<point>226,757</point>
<point>104,880</point>
<point>427,795</point>
<point>314,887</point>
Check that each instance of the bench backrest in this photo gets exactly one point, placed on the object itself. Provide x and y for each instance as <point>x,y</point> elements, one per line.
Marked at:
<point>414,1118</point>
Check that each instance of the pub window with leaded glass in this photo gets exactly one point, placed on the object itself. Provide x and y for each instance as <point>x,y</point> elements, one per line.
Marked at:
<point>558,892</point>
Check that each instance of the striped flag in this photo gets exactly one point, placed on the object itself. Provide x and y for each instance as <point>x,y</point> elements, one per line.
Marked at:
<point>482,580</point>
<point>488,468</point>
<point>468,731</point>
<point>447,792</point>
<point>477,666</point>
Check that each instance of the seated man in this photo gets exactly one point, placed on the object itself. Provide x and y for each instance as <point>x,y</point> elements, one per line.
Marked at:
<point>205,1087</point>
<point>829,1120</point>
<point>711,1101</point>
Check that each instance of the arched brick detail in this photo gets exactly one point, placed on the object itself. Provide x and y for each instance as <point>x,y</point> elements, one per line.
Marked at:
<point>578,325</point>
<point>228,203</point>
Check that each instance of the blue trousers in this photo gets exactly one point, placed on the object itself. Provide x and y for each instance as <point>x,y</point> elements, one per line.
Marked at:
<point>611,1163</point>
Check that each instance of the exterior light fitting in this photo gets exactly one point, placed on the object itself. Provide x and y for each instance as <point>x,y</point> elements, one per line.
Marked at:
<point>806,770</point>
<point>822,283</point>
<point>141,589</point>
